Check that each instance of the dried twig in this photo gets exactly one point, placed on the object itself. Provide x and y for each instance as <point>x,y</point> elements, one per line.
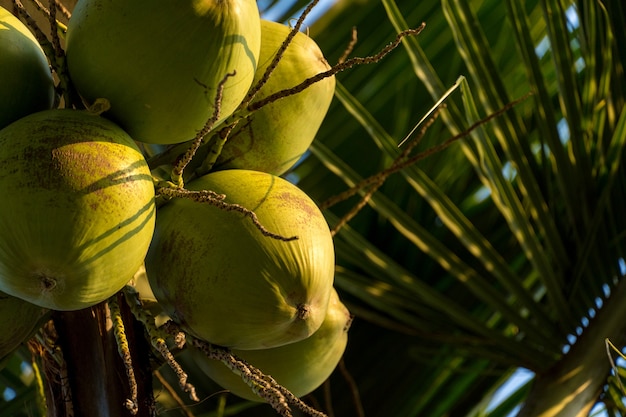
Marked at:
<point>217,200</point>
<point>342,66</point>
<point>403,161</point>
<point>349,48</point>
<point>263,385</point>
<point>132,404</point>
<point>177,171</point>
<point>279,54</point>
<point>374,182</point>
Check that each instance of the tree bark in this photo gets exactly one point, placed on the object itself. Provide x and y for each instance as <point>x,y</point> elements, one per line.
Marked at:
<point>96,374</point>
<point>572,386</point>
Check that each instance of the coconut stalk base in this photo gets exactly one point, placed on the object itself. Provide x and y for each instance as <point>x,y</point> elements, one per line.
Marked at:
<point>95,381</point>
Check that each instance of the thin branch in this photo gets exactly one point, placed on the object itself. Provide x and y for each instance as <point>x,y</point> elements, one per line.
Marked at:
<point>349,48</point>
<point>279,55</point>
<point>376,180</point>
<point>177,171</point>
<point>132,404</point>
<point>401,164</point>
<point>217,200</point>
<point>354,389</point>
<point>263,385</point>
<point>172,392</point>
<point>336,69</point>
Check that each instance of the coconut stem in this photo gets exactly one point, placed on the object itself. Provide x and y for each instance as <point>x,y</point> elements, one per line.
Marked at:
<point>349,48</point>
<point>216,148</point>
<point>262,385</point>
<point>279,54</point>
<point>177,171</point>
<point>217,200</point>
<point>342,66</point>
<point>132,404</point>
<point>53,50</point>
<point>157,339</point>
<point>374,182</point>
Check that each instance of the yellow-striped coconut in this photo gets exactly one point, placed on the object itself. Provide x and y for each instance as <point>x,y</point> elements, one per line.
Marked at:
<point>77,209</point>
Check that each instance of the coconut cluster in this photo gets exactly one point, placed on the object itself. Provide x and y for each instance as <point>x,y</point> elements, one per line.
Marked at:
<point>178,172</point>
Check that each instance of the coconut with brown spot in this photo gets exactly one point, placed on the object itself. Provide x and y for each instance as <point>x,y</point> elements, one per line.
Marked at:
<point>222,280</point>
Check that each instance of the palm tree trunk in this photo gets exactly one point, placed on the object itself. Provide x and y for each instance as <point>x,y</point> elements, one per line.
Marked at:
<point>96,375</point>
<point>571,387</point>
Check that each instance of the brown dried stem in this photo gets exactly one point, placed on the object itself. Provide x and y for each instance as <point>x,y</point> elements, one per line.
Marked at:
<point>279,54</point>
<point>132,404</point>
<point>354,389</point>
<point>376,180</point>
<point>157,339</point>
<point>403,161</point>
<point>166,385</point>
<point>349,48</point>
<point>177,171</point>
<point>263,385</point>
<point>342,66</point>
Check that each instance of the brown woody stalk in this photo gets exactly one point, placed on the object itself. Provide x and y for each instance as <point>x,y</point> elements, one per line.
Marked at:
<point>402,161</point>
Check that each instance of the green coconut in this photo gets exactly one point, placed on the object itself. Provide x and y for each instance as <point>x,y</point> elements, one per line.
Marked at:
<point>300,367</point>
<point>223,281</point>
<point>276,136</point>
<point>19,320</point>
<point>77,210</point>
<point>159,62</point>
<point>26,84</point>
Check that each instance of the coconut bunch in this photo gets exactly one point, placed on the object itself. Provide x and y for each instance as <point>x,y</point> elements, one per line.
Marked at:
<point>235,255</point>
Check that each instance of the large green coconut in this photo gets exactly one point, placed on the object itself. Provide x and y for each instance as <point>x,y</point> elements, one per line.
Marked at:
<point>159,62</point>
<point>18,322</point>
<point>26,84</point>
<point>276,136</point>
<point>77,209</point>
<point>223,281</point>
<point>300,367</point>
